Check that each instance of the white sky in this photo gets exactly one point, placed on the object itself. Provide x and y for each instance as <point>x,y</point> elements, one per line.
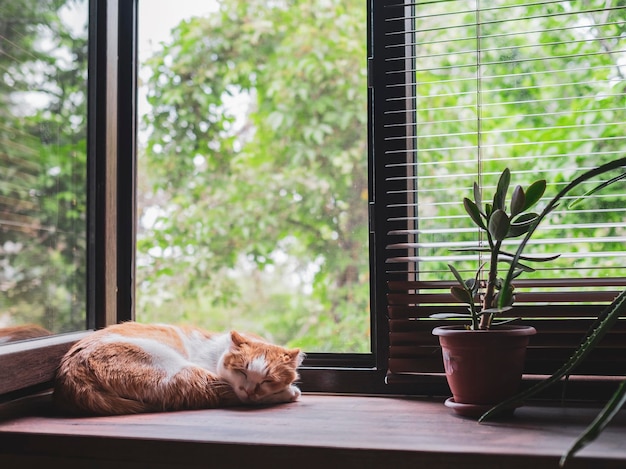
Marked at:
<point>156,20</point>
<point>158,17</point>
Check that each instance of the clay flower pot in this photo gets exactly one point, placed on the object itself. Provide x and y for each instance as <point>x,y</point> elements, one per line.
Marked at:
<point>483,367</point>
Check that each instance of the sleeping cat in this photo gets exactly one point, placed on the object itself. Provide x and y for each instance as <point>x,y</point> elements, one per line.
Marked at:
<point>133,367</point>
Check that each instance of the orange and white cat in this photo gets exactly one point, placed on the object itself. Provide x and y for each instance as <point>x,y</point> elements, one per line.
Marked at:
<point>133,367</point>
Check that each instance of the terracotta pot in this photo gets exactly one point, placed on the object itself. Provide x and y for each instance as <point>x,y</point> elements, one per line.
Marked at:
<point>482,367</point>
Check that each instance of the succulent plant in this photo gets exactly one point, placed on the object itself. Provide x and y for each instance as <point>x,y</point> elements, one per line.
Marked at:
<point>487,297</point>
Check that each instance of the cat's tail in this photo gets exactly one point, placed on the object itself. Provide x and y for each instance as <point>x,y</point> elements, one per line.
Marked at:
<point>75,398</point>
<point>98,404</point>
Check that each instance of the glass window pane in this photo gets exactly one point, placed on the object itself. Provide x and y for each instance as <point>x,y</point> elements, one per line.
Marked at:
<point>253,169</point>
<point>43,133</point>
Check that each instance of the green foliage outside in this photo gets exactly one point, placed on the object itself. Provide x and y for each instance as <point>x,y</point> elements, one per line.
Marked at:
<point>263,216</point>
<point>43,64</point>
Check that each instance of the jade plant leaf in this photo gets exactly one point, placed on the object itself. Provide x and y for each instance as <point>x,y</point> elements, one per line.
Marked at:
<point>461,294</point>
<point>534,193</point>
<point>499,225</point>
<point>474,212</point>
<point>518,201</point>
<point>477,196</point>
<point>499,198</point>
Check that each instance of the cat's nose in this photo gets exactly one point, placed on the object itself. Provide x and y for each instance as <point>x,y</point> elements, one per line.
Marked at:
<point>249,392</point>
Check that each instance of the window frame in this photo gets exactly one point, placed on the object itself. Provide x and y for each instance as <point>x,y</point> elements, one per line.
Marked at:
<point>30,366</point>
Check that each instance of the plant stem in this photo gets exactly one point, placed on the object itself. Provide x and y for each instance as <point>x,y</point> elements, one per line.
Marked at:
<point>485,319</point>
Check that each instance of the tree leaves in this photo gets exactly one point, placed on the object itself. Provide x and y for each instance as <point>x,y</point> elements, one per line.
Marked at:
<point>283,178</point>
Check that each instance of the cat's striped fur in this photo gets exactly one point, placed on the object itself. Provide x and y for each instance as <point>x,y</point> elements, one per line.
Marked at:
<point>133,367</point>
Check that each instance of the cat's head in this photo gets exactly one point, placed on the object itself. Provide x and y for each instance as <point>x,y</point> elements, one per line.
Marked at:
<point>256,369</point>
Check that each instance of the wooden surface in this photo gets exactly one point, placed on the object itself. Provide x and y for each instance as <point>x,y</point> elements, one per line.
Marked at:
<point>318,431</point>
<point>31,362</point>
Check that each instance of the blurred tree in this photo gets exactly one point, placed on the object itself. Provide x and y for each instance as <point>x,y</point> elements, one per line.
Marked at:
<point>43,58</point>
<point>279,184</point>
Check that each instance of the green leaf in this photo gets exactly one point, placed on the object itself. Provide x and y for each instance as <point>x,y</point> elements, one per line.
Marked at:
<point>505,298</point>
<point>456,274</point>
<point>477,196</point>
<point>522,224</point>
<point>499,198</point>
<point>499,225</point>
<point>596,189</point>
<point>609,411</point>
<point>471,284</point>
<point>534,193</point>
<point>607,318</point>
<point>472,209</point>
<point>488,210</point>
<point>518,201</point>
<point>461,294</point>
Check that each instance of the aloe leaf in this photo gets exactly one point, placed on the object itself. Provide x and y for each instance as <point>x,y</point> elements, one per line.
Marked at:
<point>518,200</point>
<point>607,318</point>
<point>499,225</point>
<point>534,193</point>
<point>609,411</point>
<point>472,210</point>
<point>554,202</point>
<point>596,189</point>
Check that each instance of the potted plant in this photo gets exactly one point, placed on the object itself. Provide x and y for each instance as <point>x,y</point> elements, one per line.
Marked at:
<point>603,323</point>
<point>484,359</point>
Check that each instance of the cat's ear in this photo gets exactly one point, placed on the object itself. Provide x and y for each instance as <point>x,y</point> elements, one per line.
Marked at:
<point>294,355</point>
<point>237,339</point>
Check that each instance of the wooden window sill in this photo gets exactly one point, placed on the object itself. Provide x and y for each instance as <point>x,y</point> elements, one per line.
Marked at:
<point>324,431</point>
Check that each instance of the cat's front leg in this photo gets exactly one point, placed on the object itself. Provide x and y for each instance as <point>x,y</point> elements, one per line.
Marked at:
<point>289,394</point>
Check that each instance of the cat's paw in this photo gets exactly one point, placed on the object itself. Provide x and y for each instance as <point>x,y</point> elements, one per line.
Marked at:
<point>289,394</point>
<point>294,393</point>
